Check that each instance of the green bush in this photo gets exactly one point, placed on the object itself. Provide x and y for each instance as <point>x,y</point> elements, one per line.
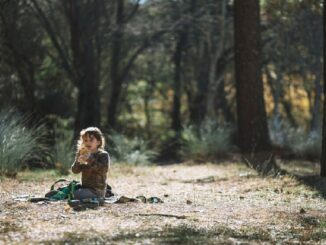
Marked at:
<point>302,144</point>
<point>305,145</point>
<point>64,152</point>
<point>131,151</point>
<point>208,142</point>
<point>18,143</point>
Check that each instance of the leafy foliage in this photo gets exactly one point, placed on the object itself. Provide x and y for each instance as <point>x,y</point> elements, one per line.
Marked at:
<point>296,140</point>
<point>63,155</point>
<point>131,151</point>
<point>209,141</point>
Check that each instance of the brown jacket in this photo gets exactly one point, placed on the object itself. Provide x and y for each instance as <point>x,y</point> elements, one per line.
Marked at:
<point>94,173</point>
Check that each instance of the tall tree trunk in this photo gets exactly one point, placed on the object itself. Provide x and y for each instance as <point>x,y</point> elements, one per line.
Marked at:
<point>317,100</point>
<point>252,124</point>
<point>216,54</point>
<point>83,33</point>
<point>148,94</point>
<point>278,94</point>
<point>197,96</point>
<point>181,48</point>
<point>288,111</point>
<point>116,78</point>
<point>17,58</point>
<point>323,149</point>
<point>176,115</point>
<point>274,85</point>
<point>222,103</point>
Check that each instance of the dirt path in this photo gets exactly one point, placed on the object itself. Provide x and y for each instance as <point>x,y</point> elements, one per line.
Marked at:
<point>203,204</point>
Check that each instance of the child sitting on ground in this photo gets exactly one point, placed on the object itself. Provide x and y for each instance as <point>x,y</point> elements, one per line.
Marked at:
<point>93,163</point>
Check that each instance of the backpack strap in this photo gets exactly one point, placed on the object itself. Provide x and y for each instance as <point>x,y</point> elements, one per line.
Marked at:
<point>57,181</point>
<point>63,193</point>
<point>72,188</point>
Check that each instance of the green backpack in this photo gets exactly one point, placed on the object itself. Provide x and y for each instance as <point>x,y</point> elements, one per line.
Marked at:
<point>65,192</point>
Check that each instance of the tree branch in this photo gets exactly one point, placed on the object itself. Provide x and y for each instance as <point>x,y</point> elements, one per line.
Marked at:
<point>133,11</point>
<point>47,25</point>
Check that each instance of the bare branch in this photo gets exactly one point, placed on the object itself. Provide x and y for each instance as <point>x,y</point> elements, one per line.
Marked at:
<point>132,12</point>
<point>48,27</point>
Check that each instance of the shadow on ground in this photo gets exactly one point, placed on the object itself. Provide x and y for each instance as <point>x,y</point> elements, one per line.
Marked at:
<point>315,182</point>
<point>176,235</point>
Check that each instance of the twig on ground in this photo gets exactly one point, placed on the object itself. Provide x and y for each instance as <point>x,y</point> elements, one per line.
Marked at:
<point>165,215</point>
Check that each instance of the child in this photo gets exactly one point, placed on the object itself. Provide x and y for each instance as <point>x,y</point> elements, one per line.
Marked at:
<point>93,162</point>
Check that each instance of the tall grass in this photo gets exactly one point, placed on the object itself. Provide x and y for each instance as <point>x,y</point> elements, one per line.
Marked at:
<point>298,141</point>
<point>209,141</point>
<point>64,152</point>
<point>132,151</point>
<point>18,143</point>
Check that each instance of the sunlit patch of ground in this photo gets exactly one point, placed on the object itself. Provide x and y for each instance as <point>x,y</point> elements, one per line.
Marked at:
<point>203,204</point>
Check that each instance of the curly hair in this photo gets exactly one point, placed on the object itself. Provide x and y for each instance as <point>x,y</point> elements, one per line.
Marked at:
<point>91,132</point>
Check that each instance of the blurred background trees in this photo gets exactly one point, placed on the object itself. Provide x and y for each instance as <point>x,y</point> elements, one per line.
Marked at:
<point>162,71</point>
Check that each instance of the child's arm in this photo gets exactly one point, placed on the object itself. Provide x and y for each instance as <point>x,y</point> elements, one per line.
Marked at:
<point>100,162</point>
<point>77,166</point>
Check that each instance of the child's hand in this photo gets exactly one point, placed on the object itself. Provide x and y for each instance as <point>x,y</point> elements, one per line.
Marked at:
<point>84,153</point>
<point>83,159</point>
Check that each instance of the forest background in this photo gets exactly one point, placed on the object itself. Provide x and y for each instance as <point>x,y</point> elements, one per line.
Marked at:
<point>158,77</point>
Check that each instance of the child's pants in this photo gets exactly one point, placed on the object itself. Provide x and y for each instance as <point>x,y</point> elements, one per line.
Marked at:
<point>84,193</point>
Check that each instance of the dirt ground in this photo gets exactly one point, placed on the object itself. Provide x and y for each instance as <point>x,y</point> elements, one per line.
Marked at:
<point>224,203</point>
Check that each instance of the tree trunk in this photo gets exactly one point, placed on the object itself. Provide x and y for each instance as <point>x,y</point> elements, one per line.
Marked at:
<point>17,58</point>
<point>215,75</point>
<point>197,94</point>
<point>252,124</point>
<point>279,96</point>
<point>317,100</point>
<point>288,111</point>
<point>176,117</point>
<point>85,64</point>
<point>116,78</point>
<point>274,84</point>
<point>222,104</point>
<point>323,149</point>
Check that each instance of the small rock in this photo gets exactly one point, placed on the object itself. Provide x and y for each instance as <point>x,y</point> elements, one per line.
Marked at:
<point>63,216</point>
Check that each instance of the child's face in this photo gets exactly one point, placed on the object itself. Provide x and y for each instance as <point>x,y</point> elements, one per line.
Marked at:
<point>91,143</point>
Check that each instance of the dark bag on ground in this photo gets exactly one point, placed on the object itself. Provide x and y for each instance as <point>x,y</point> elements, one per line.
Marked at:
<point>64,192</point>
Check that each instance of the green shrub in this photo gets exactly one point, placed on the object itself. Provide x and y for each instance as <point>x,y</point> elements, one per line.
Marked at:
<point>306,145</point>
<point>64,152</point>
<point>302,144</point>
<point>132,151</point>
<point>18,143</point>
<point>208,142</point>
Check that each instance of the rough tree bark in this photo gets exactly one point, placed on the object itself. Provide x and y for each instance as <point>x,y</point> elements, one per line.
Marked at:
<point>83,28</point>
<point>323,151</point>
<point>252,123</point>
<point>116,79</point>
<point>253,137</point>
<point>177,59</point>
<point>18,58</point>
